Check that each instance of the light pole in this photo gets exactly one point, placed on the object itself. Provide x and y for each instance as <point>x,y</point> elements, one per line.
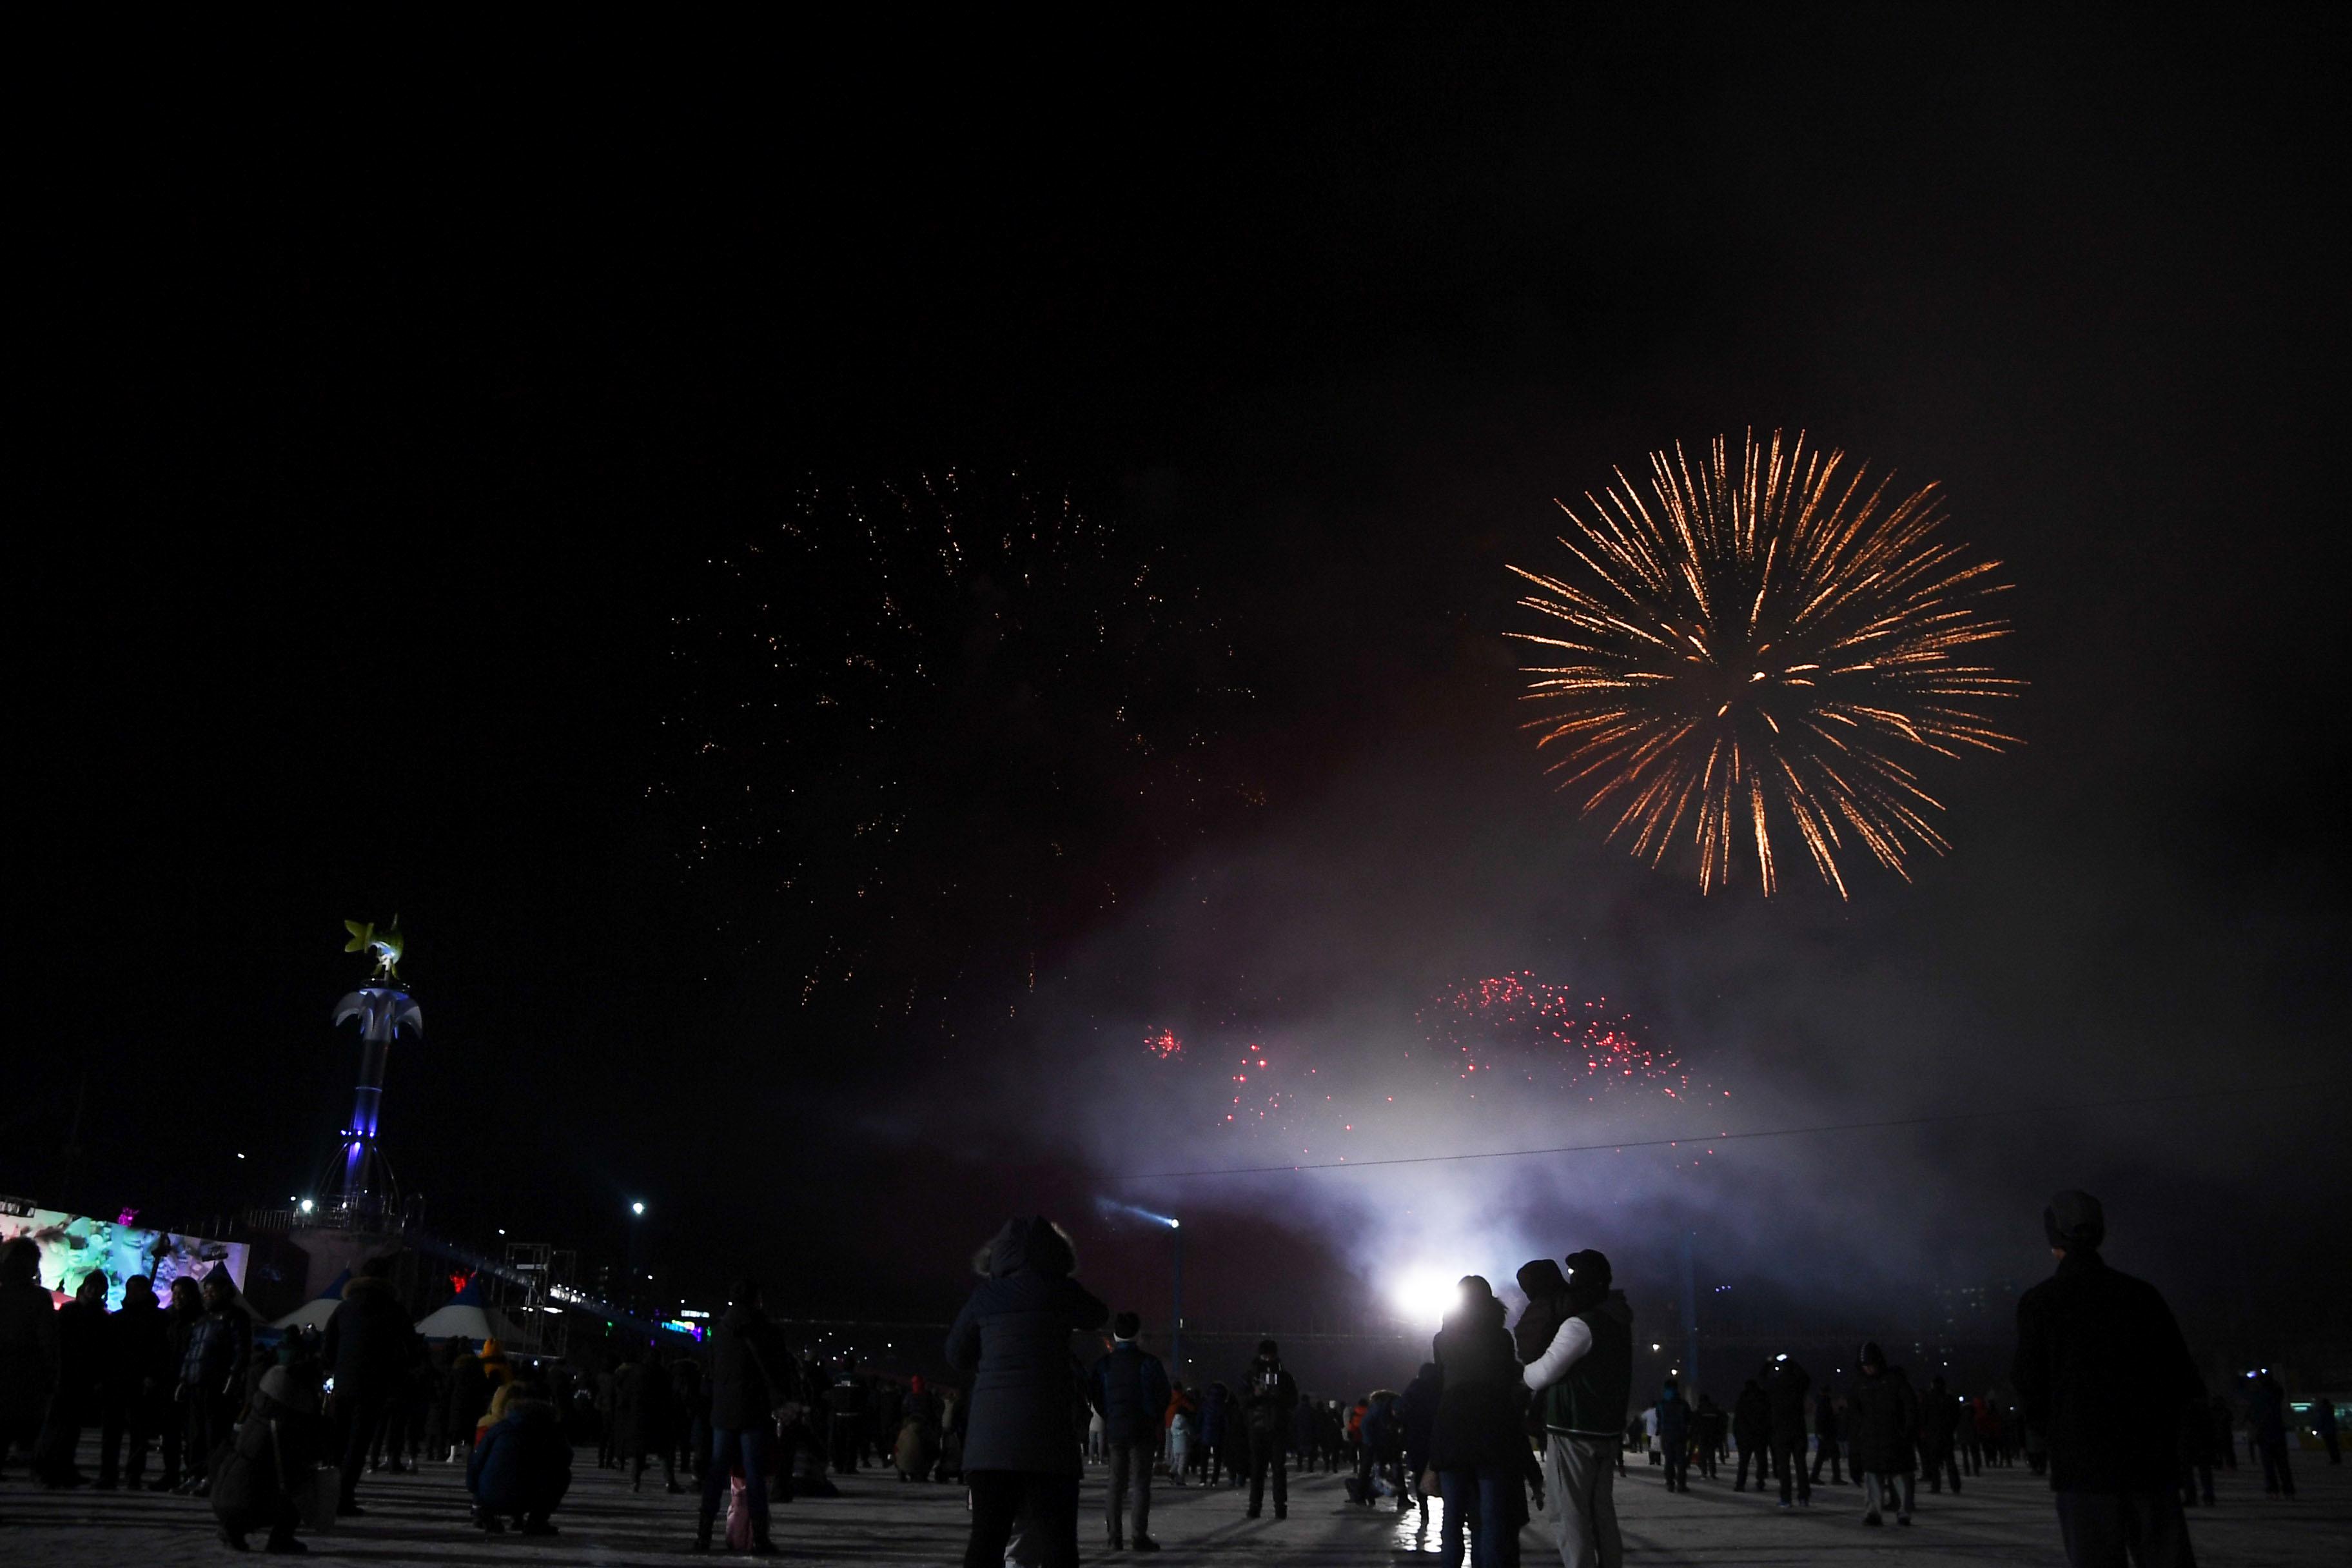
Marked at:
<point>1176,1322</point>
<point>1690,1306</point>
<point>636,1249</point>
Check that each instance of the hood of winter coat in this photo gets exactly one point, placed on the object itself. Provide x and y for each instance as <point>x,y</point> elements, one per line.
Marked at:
<point>1546,1292</point>
<point>1542,1279</point>
<point>1031,1242</point>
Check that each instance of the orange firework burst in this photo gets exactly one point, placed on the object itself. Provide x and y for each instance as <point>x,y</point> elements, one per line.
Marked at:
<point>1763,644</point>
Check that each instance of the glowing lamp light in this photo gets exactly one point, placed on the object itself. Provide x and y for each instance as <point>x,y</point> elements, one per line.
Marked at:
<point>637,1208</point>
<point>1425,1295</point>
<point>307,1205</point>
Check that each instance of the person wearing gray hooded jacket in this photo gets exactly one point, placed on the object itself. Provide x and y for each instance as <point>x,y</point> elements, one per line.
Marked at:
<point>1021,1443</point>
<point>1582,1377</point>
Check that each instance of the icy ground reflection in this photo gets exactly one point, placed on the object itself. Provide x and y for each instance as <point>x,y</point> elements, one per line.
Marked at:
<point>1416,1529</point>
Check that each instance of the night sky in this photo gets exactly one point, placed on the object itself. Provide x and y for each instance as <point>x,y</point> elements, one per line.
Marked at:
<point>396,413</point>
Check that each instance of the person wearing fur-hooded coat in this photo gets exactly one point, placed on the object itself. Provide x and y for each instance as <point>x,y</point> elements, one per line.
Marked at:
<point>369,1346</point>
<point>1882,1428</point>
<point>1021,1448</point>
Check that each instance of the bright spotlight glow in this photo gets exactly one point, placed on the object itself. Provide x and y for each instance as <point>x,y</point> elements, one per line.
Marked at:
<point>1425,1295</point>
<point>637,1208</point>
<point>307,1205</point>
<point>1112,1206</point>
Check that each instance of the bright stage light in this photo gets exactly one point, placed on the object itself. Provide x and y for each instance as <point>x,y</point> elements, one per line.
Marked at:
<point>1425,1295</point>
<point>637,1208</point>
<point>307,1205</point>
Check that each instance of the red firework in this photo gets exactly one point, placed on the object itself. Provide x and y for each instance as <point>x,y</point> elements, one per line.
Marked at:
<point>1515,1024</point>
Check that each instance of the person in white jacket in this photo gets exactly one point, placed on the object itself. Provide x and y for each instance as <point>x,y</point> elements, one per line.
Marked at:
<point>1582,1376</point>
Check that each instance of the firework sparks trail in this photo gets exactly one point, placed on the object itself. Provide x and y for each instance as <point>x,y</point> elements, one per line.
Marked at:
<point>1518,1025</point>
<point>1490,1047</point>
<point>1763,646</point>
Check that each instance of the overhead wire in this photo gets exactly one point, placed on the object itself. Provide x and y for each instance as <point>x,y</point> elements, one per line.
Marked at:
<point>1622,1144</point>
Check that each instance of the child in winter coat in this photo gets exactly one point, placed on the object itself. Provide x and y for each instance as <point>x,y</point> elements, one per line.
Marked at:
<point>522,1465</point>
<point>263,1469</point>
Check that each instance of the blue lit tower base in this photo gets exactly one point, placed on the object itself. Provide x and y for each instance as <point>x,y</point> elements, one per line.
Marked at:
<point>383,1010</point>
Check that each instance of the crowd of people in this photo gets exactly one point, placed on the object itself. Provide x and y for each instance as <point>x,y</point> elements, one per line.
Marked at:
<point>1506,1420</point>
<point>271,1435</point>
<point>1510,1419</point>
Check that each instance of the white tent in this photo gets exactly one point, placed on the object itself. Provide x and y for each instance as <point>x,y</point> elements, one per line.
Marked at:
<point>467,1322</point>
<point>311,1314</point>
<point>314,1313</point>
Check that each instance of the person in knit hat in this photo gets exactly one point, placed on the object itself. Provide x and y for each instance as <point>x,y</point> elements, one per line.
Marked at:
<point>1270,1395</point>
<point>2103,1377</point>
<point>1129,1388</point>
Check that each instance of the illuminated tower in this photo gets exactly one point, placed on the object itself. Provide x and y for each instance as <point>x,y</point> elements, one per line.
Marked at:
<point>383,1006</point>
